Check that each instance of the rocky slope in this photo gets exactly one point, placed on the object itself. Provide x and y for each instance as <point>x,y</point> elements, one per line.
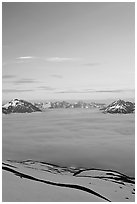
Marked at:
<point>120,106</point>
<point>19,106</point>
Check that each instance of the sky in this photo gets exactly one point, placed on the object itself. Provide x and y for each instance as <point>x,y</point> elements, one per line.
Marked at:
<point>68,50</point>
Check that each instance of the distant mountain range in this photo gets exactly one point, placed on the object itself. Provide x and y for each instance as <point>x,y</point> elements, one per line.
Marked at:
<point>65,104</point>
<point>21,106</point>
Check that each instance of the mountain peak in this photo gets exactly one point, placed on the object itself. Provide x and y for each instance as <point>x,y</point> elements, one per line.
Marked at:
<point>19,106</point>
<point>120,106</point>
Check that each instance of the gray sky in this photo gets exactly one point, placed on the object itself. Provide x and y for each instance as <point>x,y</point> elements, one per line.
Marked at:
<point>68,50</point>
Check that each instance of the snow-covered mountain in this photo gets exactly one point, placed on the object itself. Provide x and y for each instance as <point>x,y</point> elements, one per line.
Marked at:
<point>19,106</point>
<point>120,106</point>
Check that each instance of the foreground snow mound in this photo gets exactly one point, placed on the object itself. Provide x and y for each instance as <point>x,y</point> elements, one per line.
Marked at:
<point>30,180</point>
<point>19,106</point>
<point>120,106</point>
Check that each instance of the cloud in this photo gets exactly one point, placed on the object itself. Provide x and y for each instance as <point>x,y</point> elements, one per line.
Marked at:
<point>8,76</point>
<point>18,60</point>
<point>94,91</point>
<point>92,64</point>
<point>16,91</point>
<point>106,91</point>
<point>48,88</point>
<point>110,91</point>
<point>70,91</point>
<point>25,57</point>
<point>57,76</point>
<point>59,59</point>
<point>25,81</point>
<point>114,91</point>
<point>49,59</point>
<point>28,59</point>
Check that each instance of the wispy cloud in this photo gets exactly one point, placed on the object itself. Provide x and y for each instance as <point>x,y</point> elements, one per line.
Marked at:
<point>60,59</point>
<point>114,91</point>
<point>47,88</point>
<point>110,91</point>
<point>16,61</point>
<point>28,59</point>
<point>47,59</point>
<point>8,76</point>
<point>56,76</point>
<point>25,81</point>
<point>69,91</point>
<point>25,57</point>
<point>16,90</point>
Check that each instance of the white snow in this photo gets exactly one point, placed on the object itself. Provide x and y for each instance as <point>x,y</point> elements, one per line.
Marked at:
<point>13,102</point>
<point>6,105</point>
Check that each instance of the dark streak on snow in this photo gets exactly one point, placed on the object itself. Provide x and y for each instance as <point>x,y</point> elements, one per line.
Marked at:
<point>74,186</point>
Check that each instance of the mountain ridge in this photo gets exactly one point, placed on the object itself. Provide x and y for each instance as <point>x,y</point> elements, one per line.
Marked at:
<point>22,106</point>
